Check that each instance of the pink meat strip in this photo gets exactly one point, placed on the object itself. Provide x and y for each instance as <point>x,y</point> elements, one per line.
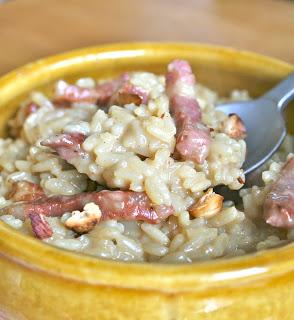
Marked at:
<point>121,205</point>
<point>29,191</point>
<point>128,93</point>
<point>40,226</point>
<point>99,95</point>
<point>278,207</point>
<point>25,191</point>
<point>67,145</point>
<point>30,108</point>
<point>193,138</point>
<point>118,91</point>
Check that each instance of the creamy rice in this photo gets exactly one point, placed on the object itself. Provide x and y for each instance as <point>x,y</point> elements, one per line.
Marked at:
<point>131,148</point>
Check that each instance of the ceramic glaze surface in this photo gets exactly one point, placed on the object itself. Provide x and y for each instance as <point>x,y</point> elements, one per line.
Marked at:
<point>42,282</point>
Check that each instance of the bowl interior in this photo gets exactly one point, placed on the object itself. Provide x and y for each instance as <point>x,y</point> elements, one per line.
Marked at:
<point>218,68</point>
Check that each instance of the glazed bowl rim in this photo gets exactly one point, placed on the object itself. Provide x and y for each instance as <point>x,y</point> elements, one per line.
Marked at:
<point>171,278</point>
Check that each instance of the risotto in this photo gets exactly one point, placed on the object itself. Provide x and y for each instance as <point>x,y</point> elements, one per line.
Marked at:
<point>124,169</point>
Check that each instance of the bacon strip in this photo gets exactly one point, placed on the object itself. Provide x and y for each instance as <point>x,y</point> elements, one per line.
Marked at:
<point>16,124</point>
<point>29,191</point>
<point>40,226</point>
<point>30,108</point>
<point>25,191</point>
<point>118,91</point>
<point>67,145</point>
<point>121,205</point>
<point>99,95</point>
<point>128,93</point>
<point>278,208</point>
<point>193,138</point>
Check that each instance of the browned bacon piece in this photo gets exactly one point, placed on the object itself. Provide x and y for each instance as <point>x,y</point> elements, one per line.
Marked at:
<point>118,91</point>
<point>124,205</point>
<point>67,145</point>
<point>30,108</point>
<point>29,191</point>
<point>193,138</point>
<point>100,95</point>
<point>130,205</point>
<point>127,93</point>
<point>25,191</point>
<point>16,124</point>
<point>278,207</point>
<point>40,226</point>
<point>121,205</point>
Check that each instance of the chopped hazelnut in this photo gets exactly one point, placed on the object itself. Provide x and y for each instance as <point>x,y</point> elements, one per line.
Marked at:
<point>234,127</point>
<point>209,205</point>
<point>85,221</point>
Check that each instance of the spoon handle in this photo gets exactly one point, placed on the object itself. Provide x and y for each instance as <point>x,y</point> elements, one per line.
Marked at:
<point>282,93</point>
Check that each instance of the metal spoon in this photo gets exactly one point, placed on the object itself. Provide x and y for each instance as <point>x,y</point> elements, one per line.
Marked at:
<point>265,124</point>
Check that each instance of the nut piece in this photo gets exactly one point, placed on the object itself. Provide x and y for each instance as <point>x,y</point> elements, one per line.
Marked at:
<point>234,127</point>
<point>85,221</point>
<point>127,98</point>
<point>209,205</point>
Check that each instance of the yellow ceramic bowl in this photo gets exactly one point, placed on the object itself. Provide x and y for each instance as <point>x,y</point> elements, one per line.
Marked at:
<point>42,282</point>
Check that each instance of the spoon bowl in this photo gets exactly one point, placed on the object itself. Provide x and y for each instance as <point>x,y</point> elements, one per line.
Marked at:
<point>264,122</point>
<point>266,130</point>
